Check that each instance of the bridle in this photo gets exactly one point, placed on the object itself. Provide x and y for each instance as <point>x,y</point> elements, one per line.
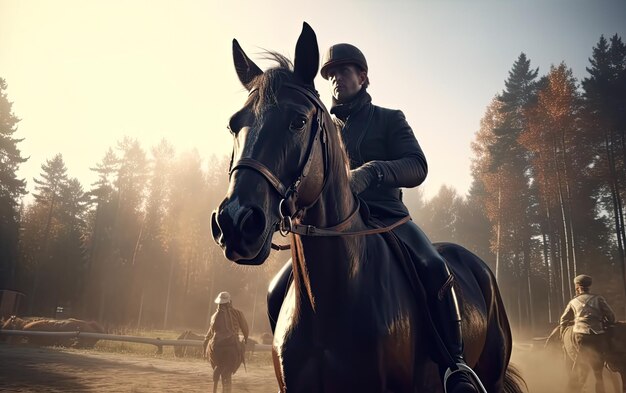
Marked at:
<point>290,194</point>
<point>293,204</point>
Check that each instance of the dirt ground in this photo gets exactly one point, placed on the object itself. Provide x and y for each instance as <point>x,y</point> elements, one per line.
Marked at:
<point>28,369</point>
<point>544,371</point>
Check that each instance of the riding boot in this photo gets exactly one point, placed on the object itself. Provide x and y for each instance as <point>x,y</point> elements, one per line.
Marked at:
<point>447,318</point>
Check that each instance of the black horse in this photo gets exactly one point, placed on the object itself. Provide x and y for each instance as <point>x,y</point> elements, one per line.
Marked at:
<point>352,321</point>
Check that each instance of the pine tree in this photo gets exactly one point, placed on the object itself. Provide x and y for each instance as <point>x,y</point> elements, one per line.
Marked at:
<point>561,159</point>
<point>186,231</point>
<point>128,202</point>
<point>69,254</point>
<point>100,223</point>
<point>473,227</point>
<point>102,189</point>
<point>48,195</point>
<point>441,215</point>
<point>11,190</point>
<point>149,261</point>
<point>605,107</point>
<point>511,203</point>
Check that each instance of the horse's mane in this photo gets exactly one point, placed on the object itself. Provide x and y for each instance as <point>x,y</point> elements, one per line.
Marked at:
<point>268,83</point>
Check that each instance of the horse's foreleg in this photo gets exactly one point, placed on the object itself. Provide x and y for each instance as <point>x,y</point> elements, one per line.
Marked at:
<point>616,385</point>
<point>577,377</point>
<point>227,382</point>
<point>597,372</point>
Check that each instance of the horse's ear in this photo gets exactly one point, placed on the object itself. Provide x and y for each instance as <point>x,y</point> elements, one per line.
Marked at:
<point>307,55</point>
<point>246,69</point>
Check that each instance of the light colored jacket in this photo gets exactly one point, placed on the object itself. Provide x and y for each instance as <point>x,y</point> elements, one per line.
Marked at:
<point>226,322</point>
<point>587,313</point>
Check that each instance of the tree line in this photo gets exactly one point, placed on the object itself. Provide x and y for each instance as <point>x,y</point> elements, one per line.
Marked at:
<point>549,182</point>
<point>546,204</point>
<point>134,249</point>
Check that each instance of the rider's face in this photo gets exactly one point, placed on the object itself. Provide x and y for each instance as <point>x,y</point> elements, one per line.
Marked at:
<point>346,81</point>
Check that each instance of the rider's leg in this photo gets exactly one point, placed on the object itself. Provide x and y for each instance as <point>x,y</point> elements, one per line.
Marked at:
<point>442,302</point>
<point>217,371</point>
<point>276,293</point>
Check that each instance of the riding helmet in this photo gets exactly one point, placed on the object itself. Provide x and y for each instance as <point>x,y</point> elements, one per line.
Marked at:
<point>342,54</point>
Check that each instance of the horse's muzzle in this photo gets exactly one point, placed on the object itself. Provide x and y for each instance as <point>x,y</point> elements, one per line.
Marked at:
<point>239,232</point>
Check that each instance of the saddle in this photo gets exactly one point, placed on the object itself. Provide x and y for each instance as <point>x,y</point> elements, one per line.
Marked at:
<point>403,257</point>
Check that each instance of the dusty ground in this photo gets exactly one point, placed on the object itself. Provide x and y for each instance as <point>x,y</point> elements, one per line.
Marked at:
<point>27,369</point>
<point>544,371</point>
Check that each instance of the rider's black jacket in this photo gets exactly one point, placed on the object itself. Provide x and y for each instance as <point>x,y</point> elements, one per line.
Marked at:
<point>382,136</point>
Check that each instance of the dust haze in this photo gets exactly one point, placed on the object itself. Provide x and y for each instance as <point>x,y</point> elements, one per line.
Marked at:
<point>544,370</point>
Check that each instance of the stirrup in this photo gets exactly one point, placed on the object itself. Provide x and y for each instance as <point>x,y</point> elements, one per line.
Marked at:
<point>462,367</point>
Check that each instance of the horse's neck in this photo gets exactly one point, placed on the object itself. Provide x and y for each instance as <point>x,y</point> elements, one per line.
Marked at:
<point>331,262</point>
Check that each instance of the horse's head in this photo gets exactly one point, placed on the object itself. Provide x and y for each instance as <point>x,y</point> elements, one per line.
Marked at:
<point>278,159</point>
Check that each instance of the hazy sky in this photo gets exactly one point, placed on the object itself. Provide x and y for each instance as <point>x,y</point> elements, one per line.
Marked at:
<point>84,74</point>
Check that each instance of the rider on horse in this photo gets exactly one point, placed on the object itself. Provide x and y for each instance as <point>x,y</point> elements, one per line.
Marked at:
<point>589,314</point>
<point>222,338</point>
<point>384,156</point>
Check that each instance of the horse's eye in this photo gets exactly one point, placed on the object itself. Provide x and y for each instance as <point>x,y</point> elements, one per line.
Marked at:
<point>298,123</point>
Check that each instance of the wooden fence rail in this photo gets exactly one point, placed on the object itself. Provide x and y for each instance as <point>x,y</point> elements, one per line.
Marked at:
<point>158,342</point>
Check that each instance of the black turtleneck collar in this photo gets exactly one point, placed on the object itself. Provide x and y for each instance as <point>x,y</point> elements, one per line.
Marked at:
<point>343,110</point>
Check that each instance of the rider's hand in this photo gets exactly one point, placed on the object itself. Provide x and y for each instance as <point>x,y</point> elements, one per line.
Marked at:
<point>362,178</point>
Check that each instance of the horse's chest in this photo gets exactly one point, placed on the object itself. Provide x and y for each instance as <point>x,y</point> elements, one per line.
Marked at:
<point>336,367</point>
<point>350,354</point>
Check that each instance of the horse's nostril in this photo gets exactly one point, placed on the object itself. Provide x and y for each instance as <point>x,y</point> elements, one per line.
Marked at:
<point>252,224</point>
<point>215,229</point>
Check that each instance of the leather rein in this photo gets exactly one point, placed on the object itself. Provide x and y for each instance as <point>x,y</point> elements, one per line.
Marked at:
<point>290,193</point>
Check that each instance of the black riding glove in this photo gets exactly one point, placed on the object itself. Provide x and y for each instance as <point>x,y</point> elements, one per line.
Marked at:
<point>363,177</point>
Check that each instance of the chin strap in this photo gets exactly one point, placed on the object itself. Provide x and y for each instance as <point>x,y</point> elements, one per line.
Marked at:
<point>462,367</point>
